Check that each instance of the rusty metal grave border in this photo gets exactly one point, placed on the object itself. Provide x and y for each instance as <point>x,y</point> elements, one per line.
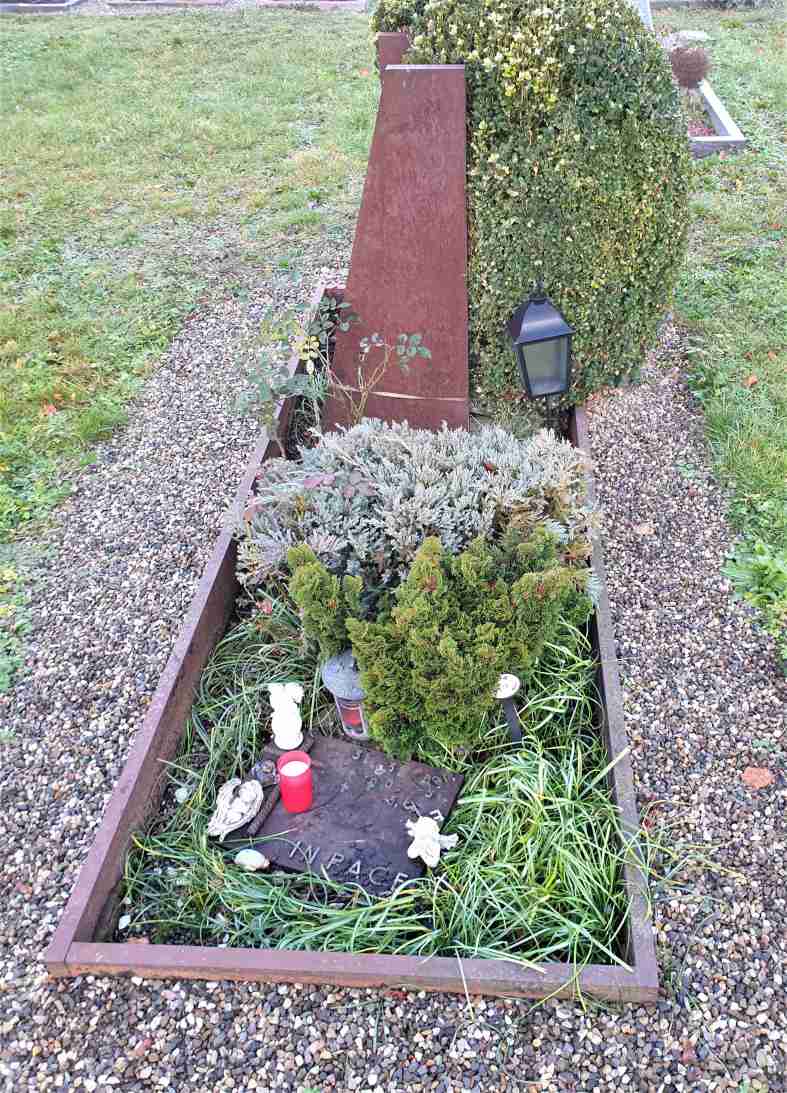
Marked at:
<point>77,949</point>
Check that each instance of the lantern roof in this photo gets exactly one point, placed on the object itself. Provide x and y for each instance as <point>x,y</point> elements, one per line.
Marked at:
<point>537,320</point>
<point>341,676</point>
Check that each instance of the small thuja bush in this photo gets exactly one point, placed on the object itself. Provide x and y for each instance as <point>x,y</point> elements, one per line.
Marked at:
<point>326,602</point>
<point>577,171</point>
<point>431,659</point>
<point>364,500</point>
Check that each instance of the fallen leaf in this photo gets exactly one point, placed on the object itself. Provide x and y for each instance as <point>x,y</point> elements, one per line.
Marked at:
<point>750,381</point>
<point>688,1055</point>
<point>758,777</point>
<point>364,72</point>
<point>771,355</point>
<point>139,941</point>
<point>644,529</point>
<point>252,510</point>
<point>48,409</point>
<point>399,995</point>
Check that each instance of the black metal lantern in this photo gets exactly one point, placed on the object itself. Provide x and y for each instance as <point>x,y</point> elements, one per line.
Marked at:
<point>542,340</point>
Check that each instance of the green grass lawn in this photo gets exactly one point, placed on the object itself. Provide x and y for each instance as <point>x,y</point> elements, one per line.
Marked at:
<point>733,295</point>
<point>142,156</point>
<point>134,152</point>
<point>146,163</point>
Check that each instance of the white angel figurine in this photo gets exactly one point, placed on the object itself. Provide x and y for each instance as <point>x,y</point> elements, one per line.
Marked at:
<point>285,700</point>
<point>427,840</point>
<point>237,803</point>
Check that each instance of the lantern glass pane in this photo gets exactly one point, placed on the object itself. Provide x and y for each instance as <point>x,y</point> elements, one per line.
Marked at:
<point>353,721</point>
<point>547,366</point>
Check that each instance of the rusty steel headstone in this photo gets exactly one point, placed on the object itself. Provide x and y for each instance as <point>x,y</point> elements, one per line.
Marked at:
<point>355,830</point>
<point>409,259</point>
<point>391,47</point>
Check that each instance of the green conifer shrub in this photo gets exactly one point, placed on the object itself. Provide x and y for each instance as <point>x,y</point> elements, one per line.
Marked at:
<point>325,602</point>
<point>431,662</point>
<point>578,171</point>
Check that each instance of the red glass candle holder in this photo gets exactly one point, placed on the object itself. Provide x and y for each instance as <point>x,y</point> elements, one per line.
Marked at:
<point>295,781</point>
<point>353,721</point>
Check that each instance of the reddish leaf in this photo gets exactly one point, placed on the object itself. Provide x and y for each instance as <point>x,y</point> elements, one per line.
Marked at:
<point>252,510</point>
<point>688,1055</point>
<point>771,355</point>
<point>48,409</point>
<point>364,72</point>
<point>266,607</point>
<point>758,777</point>
<point>750,381</point>
<point>398,995</point>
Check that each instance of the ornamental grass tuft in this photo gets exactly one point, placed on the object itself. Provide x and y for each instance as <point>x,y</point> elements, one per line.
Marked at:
<point>536,875</point>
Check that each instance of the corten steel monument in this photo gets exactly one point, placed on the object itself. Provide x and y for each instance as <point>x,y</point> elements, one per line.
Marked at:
<point>409,258</point>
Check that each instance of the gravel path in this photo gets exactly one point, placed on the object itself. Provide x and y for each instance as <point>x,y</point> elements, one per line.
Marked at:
<point>703,702</point>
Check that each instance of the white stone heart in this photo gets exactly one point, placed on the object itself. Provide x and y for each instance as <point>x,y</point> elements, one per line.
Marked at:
<point>251,860</point>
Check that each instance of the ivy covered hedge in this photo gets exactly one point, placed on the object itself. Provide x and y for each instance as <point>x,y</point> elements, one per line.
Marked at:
<point>578,171</point>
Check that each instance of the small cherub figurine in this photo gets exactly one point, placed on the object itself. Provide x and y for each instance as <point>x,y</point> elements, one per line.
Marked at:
<point>427,840</point>
<point>286,724</point>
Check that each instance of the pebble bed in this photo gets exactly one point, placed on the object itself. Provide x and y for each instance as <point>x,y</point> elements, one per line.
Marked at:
<point>703,697</point>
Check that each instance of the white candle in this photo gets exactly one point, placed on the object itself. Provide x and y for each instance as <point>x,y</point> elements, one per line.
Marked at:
<point>294,768</point>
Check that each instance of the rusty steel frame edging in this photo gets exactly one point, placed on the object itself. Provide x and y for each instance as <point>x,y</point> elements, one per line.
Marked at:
<point>73,950</point>
<point>141,783</point>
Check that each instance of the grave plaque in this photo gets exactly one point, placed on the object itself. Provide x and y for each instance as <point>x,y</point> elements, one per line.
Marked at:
<point>355,830</point>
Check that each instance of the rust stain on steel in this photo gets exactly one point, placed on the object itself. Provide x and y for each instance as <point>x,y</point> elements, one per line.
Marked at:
<point>409,258</point>
<point>73,952</point>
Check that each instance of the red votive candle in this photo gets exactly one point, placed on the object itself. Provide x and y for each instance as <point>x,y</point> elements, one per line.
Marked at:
<point>295,781</point>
